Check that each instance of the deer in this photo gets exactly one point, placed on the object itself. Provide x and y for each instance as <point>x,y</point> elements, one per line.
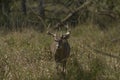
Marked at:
<point>60,48</point>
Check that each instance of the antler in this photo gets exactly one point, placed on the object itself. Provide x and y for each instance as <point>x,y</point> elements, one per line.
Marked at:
<point>67,34</point>
<point>52,34</point>
<point>49,33</point>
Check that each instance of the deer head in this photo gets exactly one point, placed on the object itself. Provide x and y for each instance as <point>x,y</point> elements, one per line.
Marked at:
<point>59,39</point>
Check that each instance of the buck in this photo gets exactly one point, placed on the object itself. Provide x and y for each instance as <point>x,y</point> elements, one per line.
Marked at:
<point>61,49</point>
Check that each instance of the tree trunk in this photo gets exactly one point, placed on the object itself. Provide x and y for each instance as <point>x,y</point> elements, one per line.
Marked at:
<point>24,10</point>
<point>5,13</point>
<point>41,9</point>
<point>0,6</point>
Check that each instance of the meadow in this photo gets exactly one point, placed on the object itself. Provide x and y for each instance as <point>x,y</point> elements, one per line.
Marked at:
<point>95,55</point>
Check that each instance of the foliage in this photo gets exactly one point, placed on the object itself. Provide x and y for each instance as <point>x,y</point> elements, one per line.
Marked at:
<point>25,55</point>
<point>99,12</point>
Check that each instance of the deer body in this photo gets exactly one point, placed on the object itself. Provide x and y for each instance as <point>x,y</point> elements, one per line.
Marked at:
<point>61,49</point>
<point>61,53</point>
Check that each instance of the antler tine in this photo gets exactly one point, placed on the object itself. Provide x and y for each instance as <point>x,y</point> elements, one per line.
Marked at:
<point>67,28</point>
<point>49,33</point>
<point>67,34</point>
<point>48,26</point>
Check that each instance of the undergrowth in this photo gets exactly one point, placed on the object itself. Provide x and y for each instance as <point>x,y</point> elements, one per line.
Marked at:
<point>25,55</point>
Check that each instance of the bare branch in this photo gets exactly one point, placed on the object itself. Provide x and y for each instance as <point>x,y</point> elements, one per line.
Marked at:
<point>103,53</point>
<point>63,21</point>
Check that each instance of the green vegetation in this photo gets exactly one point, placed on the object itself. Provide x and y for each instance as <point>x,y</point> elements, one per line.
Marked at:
<point>95,41</point>
<point>25,55</point>
<point>17,14</point>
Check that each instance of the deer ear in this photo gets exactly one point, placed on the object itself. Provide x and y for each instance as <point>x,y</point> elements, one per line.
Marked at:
<point>67,35</point>
<point>48,32</point>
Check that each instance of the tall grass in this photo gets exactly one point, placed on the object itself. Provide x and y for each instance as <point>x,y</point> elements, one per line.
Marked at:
<point>25,55</point>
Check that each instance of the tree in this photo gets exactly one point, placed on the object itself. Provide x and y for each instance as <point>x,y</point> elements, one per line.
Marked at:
<point>5,6</point>
<point>23,3</point>
<point>41,9</point>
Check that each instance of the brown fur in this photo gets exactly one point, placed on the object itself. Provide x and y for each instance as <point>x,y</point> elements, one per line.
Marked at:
<point>61,50</point>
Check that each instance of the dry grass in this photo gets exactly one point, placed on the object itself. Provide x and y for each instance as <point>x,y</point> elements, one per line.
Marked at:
<point>25,55</point>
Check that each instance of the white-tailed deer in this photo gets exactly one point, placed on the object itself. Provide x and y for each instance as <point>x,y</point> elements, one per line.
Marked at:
<point>61,49</point>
